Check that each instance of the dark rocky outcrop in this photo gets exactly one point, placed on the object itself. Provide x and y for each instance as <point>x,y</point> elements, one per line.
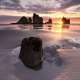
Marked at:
<point>49,21</point>
<point>65,21</point>
<point>37,19</point>
<point>31,52</point>
<point>30,20</point>
<point>23,20</point>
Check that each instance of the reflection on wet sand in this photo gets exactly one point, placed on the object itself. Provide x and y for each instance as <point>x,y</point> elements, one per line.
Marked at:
<point>51,67</point>
<point>37,26</point>
<point>50,55</point>
<point>65,26</point>
<point>56,28</point>
<point>25,26</point>
<point>49,26</point>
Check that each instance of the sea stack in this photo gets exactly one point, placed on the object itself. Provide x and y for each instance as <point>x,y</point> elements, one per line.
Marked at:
<point>37,19</point>
<point>30,20</point>
<point>23,20</point>
<point>49,21</point>
<point>65,21</point>
<point>31,52</point>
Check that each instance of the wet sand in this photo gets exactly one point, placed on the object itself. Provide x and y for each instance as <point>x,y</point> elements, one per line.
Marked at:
<point>50,68</point>
<point>11,38</point>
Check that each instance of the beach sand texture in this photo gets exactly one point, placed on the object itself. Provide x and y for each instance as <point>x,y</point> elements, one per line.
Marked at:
<point>11,39</point>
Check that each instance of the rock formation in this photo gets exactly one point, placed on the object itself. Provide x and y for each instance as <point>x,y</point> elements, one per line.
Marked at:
<point>23,20</point>
<point>65,21</point>
<point>30,20</point>
<point>31,52</point>
<point>49,21</point>
<point>37,19</point>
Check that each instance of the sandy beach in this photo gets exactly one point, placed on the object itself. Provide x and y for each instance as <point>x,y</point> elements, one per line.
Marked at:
<point>10,39</point>
<point>9,62</point>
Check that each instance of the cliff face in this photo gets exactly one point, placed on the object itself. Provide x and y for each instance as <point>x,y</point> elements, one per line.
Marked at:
<point>23,20</point>
<point>37,19</point>
<point>65,21</point>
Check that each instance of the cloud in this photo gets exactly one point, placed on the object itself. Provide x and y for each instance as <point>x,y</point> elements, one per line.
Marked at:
<point>50,6</point>
<point>39,6</point>
<point>77,9</point>
<point>12,5</point>
<point>42,7</point>
<point>69,3</point>
<point>15,1</point>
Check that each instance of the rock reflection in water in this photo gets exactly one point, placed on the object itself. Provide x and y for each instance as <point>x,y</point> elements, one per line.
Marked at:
<point>49,26</point>
<point>43,26</point>
<point>37,26</point>
<point>65,26</point>
<point>26,26</point>
<point>39,66</point>
<point>51,67</point>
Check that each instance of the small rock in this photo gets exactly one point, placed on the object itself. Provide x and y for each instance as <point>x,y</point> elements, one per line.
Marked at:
<point>49,21</point>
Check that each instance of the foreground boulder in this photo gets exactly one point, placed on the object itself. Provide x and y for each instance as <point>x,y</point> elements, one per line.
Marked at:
<point>31,52</point>
<point>65,21</point>
<point>49,21</point>
<point>37,19</point>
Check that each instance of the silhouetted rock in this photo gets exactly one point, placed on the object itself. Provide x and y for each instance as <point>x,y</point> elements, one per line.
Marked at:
<point>49,21</point>
<point>23,20</point>
<point>30,20</point>
<point>65,21</point>
<point>37,19</point>
<point>31,52</point>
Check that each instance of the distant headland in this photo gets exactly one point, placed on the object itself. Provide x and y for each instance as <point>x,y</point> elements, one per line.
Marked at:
<point>38,20</point>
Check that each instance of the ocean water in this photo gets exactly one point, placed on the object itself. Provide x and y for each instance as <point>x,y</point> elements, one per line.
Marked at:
<point>61,49</point>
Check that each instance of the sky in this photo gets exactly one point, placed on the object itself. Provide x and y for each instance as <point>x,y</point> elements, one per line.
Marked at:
<point>55,9</point>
